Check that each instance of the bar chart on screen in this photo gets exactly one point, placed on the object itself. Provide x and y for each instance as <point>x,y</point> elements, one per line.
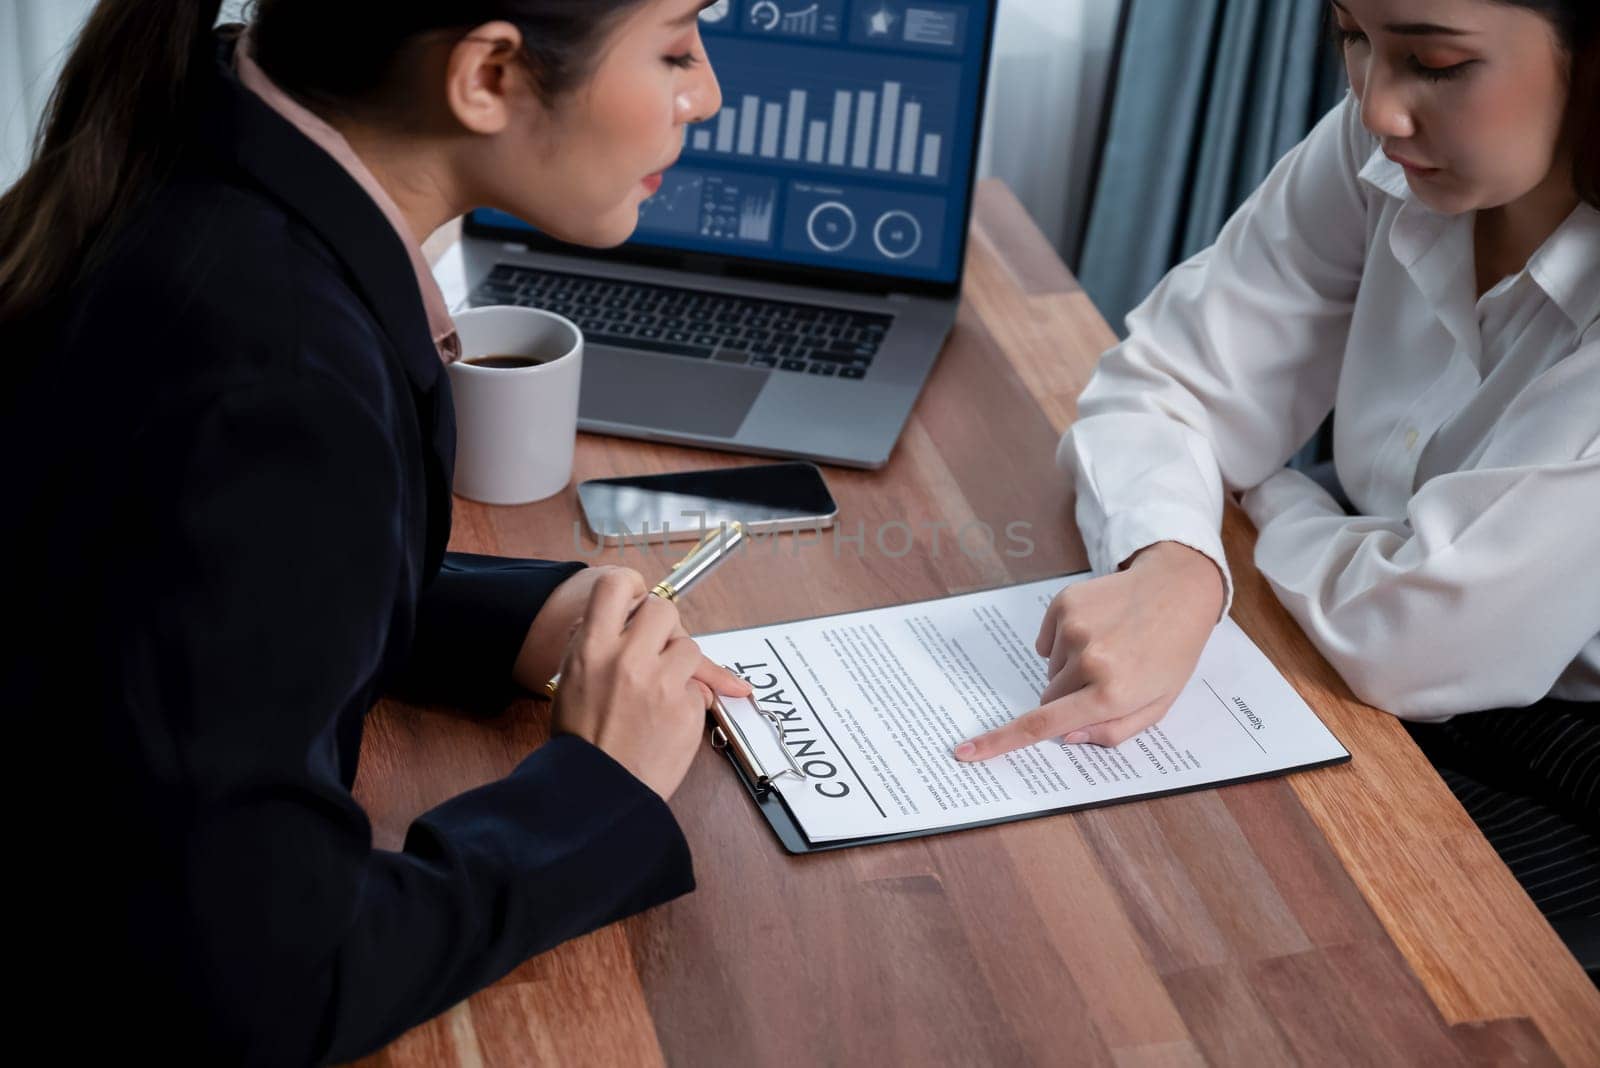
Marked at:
<point>894,126</point>
<point>885,135</point>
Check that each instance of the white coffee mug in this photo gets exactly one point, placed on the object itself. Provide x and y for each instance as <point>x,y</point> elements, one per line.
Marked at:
<point>516,427</point>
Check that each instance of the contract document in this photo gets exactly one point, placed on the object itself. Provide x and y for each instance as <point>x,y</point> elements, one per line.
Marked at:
<point>854,718</point>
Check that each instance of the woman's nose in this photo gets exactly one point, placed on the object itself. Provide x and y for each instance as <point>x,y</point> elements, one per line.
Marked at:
<point>702,100</point>
<point>1384,111</point>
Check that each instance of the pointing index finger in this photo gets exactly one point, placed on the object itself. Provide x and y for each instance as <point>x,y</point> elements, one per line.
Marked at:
<point>1041,724</point>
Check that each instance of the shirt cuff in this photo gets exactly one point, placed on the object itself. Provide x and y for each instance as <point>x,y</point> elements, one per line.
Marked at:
<point>1284,491</point>
<point>1126,533</point>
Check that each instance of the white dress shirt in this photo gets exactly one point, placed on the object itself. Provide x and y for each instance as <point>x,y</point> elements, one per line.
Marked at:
<point>1467,432</point>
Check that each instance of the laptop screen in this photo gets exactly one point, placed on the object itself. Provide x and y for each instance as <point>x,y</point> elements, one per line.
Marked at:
<point>846,138</point>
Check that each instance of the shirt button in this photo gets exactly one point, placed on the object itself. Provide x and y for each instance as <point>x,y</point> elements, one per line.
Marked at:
<point>1411,439</point>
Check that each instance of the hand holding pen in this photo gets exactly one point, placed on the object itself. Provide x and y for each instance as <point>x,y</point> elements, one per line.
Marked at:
<point>709,552</point>
<point>629,684</point>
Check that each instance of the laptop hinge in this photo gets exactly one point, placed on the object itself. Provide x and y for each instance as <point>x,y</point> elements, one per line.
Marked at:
<point>893,298</point>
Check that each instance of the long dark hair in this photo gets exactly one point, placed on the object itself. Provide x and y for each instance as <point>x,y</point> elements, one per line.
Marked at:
<point>1577,26</point>
<point>111,132</point>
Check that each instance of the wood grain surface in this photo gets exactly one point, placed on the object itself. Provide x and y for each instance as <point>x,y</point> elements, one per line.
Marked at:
<point>1351,915</point>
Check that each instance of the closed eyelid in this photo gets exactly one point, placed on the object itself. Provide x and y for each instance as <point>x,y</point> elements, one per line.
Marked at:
<point>1442,57</point>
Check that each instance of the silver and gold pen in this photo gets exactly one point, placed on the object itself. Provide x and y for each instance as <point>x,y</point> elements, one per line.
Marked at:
<point>714,548</point>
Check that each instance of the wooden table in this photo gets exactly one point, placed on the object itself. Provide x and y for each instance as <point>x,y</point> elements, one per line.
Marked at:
<point>1352,915</point>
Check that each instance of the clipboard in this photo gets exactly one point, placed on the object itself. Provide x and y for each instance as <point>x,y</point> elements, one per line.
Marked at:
<point>761,782</point>
<point>726,737</point>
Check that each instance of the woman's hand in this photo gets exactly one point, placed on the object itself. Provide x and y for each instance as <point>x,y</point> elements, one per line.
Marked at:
<point>557,622</point>
<point>1121,648</point>
<point>552,629</point>
<point>630,686</point>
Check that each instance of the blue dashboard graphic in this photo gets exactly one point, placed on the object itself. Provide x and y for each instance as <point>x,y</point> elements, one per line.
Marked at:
<point>845,139</point>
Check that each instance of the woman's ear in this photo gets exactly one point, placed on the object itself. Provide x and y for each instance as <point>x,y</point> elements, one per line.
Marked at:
<point>485,71</point>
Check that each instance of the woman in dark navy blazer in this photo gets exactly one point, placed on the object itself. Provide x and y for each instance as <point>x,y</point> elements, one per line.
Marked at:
<point>229,442</point>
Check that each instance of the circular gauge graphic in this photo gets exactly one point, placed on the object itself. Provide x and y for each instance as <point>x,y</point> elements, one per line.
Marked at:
<point>717,11</point>
<point>897,235</point>
<point>831,227</point>
<point>765,15</point>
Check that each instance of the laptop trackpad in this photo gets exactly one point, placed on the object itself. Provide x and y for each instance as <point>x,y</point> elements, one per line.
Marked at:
<point>669,393</point>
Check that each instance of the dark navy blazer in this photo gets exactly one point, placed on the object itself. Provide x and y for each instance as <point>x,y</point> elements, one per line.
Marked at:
<point>229,454</point>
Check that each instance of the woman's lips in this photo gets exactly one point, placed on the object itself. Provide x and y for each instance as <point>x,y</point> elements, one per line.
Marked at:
<point>653,182</point>
<point>1411,168</point>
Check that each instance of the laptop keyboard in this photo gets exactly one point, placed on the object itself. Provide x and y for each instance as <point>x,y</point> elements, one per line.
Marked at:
<point>802,338</point>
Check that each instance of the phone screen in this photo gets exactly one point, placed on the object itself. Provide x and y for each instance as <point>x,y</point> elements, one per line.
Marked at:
<point>684,505</point>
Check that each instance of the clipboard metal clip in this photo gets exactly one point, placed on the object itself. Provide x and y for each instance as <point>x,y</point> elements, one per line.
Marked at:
<point>726,735</point>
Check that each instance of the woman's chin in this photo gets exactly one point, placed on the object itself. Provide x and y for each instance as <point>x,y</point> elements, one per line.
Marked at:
<point>607,231</point>
<point>1445,197</point>
<point>616,231</point>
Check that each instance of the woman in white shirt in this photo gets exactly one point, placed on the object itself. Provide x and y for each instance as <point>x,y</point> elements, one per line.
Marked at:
<point>1427,265</point>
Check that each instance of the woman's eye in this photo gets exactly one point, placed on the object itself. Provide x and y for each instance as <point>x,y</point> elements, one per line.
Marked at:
<point>1438,74</point>
<point>684,61</point>
<point>1348,38</point>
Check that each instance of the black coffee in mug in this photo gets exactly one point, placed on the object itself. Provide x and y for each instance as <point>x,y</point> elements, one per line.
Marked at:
<point>505,363</point>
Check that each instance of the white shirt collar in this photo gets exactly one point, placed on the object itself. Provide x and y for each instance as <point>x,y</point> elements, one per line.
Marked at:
<point>1566,267</point>
<point>1386,176</point>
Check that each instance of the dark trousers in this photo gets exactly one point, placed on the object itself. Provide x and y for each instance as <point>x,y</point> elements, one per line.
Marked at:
<point>1530,779</point>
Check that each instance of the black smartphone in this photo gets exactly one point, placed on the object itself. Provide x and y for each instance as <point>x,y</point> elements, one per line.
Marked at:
<point>685,504</point>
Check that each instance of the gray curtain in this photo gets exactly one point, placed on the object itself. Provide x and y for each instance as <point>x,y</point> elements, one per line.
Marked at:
<point>33,39</point>
<point>1208,95</point>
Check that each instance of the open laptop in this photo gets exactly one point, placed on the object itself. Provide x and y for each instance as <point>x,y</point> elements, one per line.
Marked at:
<point>792,282</point>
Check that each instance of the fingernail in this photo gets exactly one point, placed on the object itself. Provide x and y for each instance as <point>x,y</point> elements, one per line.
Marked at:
<point>965,751</point>
<point>1076,738</point>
